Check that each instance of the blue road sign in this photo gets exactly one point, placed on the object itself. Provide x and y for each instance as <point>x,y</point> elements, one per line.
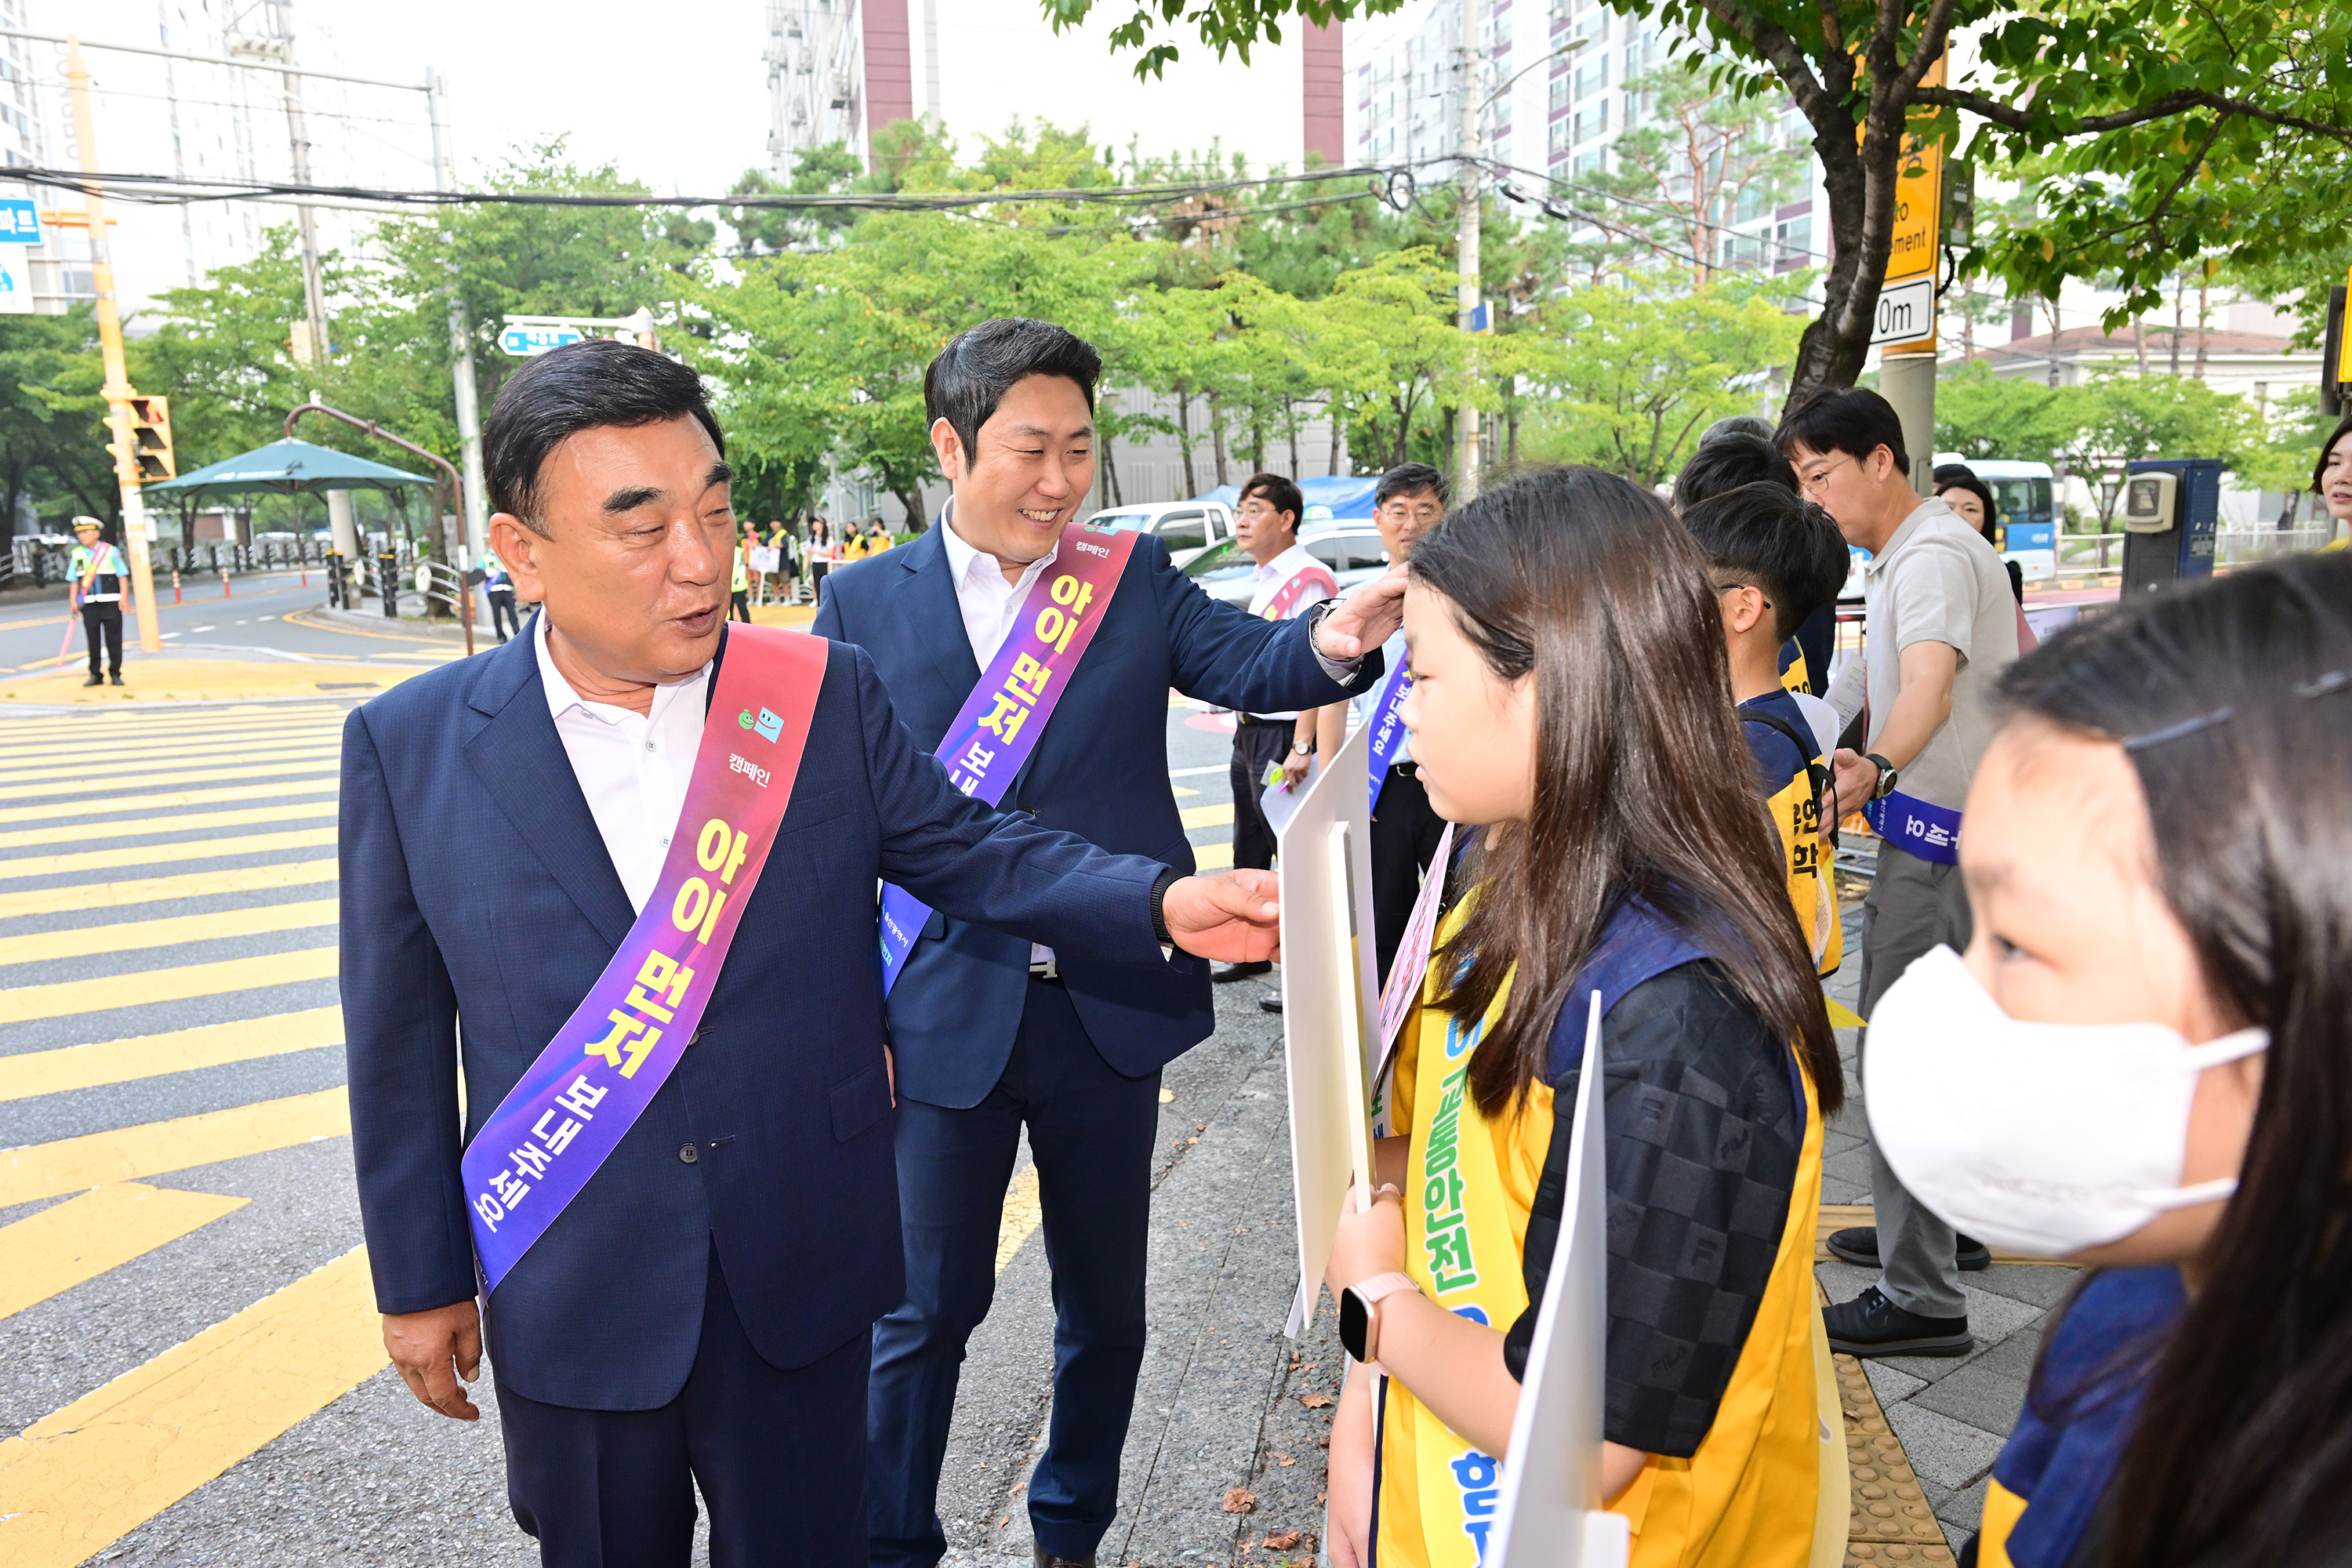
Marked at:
<point>19,223</point>
<point>527,341</point>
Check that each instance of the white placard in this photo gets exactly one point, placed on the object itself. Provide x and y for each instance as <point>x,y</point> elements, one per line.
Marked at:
<point>1329,1002</point>
<point>1551,1515</point>
<point>764,559</point>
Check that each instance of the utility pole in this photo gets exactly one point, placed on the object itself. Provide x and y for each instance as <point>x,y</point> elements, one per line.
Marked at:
<point>118,391</point>
<point>1466,475</point>
<point>298,135</point>
<point>461,339</point>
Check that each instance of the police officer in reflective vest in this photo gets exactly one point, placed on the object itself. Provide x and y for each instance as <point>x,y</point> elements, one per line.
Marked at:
<point>99,569</point>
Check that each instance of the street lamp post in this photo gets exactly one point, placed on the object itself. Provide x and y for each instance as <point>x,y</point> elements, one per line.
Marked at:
<point>1466,475</point>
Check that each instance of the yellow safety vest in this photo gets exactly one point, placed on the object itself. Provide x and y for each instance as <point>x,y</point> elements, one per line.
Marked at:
<point>1812,884</point>
<point>1751,1497</point>
<point>1795,678</point>
<point>742,573</point>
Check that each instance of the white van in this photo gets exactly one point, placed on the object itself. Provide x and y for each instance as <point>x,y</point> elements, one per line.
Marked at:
<point>1187,527</point>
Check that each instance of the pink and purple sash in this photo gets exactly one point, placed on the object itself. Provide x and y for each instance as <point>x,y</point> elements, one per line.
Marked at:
<point>997,728</point>
<point>1285,598</point>
<point>570,1110</point>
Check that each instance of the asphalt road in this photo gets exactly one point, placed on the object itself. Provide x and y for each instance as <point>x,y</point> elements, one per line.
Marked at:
<point>190,1370</point>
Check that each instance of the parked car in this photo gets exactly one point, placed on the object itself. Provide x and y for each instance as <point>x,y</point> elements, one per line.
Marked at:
<point>1351,548</point>
<point>1187,527</point>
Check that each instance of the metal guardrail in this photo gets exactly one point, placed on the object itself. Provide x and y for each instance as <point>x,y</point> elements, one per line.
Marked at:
<point>2240,546</point>
<point>437,582</point>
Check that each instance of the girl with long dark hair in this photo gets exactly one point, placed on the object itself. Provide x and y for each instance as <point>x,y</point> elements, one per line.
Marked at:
<point>1571,701</point>
<point>2144,1063</point>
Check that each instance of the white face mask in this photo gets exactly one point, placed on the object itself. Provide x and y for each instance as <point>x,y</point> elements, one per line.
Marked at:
<point>2044,1139</point>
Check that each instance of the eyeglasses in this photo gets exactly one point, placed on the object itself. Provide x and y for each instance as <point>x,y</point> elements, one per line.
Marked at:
<point>1820,475</point>
<point>1735,587</point>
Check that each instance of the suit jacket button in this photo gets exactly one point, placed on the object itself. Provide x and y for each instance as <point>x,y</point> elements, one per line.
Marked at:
<point>686,1154</point>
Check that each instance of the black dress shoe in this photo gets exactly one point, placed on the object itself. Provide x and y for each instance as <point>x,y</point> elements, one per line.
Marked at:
<point>118,678</point>
<point>1872,1325</point>
<point>94,680</point>
<point>1270,1003</point>
<point>1221,973</point>
<point>1045,1559</point>
<point>1859,1247</point>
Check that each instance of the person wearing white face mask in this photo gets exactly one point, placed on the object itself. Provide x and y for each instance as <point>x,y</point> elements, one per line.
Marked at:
<point>2156,1008</point>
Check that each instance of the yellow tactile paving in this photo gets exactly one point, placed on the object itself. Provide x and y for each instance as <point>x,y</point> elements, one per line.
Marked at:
<point>30,1073</point>
<point>216,738</point>
<point>137,827</point>
<point>150,1149</point>
<point>104,1228</point>
<point>80,1480</point>
<point>151,889</point>
<point>70,998</point>
<point>128,936</point>
<point>100,805</point>
<point>192,775</point>
<point>1892,1520</point>
<point>201,681</point>
<point>83,775</point>
<point>166,854</point>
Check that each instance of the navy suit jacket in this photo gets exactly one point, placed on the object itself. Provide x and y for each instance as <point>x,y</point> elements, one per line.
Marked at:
<point>479,906</point>
<point>1099,770</point>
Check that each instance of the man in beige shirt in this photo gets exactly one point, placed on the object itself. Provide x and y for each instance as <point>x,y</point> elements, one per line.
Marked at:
<point>1941,627</point>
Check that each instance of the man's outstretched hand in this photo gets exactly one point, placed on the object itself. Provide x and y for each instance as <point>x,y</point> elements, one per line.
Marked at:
<point>438,1352</point>
<point>1232,916</point>
<point>1365,618</point>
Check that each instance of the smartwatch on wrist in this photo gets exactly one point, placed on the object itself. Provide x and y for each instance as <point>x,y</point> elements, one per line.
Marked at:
<point>1887,775</point>
<point>1360,1316</point>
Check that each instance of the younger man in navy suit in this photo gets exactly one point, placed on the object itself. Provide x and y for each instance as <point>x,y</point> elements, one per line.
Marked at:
<point>993,1030</point>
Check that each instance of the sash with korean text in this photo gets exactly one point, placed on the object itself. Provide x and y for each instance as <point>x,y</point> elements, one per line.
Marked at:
<point>1388,727</point>
<point>1285,598</point>
<point>1930,832</point>
<point>997,728</point>
<point>572,1107</point>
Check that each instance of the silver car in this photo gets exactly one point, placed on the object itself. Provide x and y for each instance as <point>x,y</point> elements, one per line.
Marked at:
<point>1350,547</point>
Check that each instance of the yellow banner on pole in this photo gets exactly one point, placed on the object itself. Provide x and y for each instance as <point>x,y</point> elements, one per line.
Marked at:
<point>1919,218</point>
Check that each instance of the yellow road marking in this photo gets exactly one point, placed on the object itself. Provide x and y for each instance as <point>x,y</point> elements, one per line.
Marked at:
<point>164,854</point>
<point>192,775</point>
<point>126,936</point>
<point>218,738</point>
<point>1022,1215</point>
<point>104,1228</point>
<point>150,889</point>
<point>72,833</point>
<point>1212,857</point>
<point>79,1480</point>
<point>130,721</point>
<point>1208,816</point>
<point>69,997</point>
<point>69,775</point>
<point>1181,792</point>
<point>299,618</point>
<point>133,1154</point>
<point>30,1073</point>
<point>45,811</point>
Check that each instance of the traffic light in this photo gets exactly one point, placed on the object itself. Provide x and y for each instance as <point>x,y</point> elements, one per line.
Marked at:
<point>151,439</point>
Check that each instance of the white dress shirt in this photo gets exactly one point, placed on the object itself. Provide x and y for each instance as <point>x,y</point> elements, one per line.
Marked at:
<point>1267,580</point>
<point>634,768</point>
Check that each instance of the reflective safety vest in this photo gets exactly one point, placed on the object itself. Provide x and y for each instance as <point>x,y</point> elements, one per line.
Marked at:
<point>742,573</point>
<point>1750,1497</point>
<point>106,561</point>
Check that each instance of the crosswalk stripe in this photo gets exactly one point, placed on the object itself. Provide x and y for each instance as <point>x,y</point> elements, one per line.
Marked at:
<point>164,854</point>
<point>69,998</point>
<point>1213,857</point>
<point>69,776</point>
<point>1208,816</point>
<point>104,1228</point>
<point>128,936</point>
<point>49,810</point>
<point>133,1154</point>
<point>177,721</point>
<point>153,889</point>
<point>134,827</point>
<point>31,1073</point>
<point>191,775</point>
<point>69,748</point>
<point>80,1480</point>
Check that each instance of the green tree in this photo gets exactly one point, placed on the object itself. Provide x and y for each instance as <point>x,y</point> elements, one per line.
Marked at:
<point>53,433</point>
<point>1639,378</point>
<point>2169,131</point>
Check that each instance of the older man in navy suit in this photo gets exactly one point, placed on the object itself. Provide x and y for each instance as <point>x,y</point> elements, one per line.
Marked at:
<point>993,1030</point>
<point>700,1313</point>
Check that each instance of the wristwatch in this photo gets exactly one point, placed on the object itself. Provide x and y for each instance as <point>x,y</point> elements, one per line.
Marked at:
<point>1359,1313</point>
<point>1887,775</point>
<point>1302,748</point>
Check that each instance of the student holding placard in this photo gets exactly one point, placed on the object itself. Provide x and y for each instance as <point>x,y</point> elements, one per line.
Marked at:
<point>1571,700</point>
